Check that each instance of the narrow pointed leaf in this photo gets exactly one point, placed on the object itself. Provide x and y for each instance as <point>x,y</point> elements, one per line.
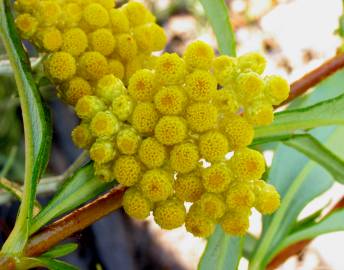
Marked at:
<point>61,250</point>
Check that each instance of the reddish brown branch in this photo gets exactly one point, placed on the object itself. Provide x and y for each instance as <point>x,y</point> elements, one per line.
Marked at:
<point>74,222</point>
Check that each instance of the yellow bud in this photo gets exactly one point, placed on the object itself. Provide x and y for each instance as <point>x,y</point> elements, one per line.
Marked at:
<point>135,204</point>
<point>93,65</point>
<point>108,4</point>
<point>152,153</point>
<point>249,87</point>
<point>198,223</point>
<point>170,130</point>
<point>102,151</point>
<point>156,185</point>
<point>26,24</point>
<point>199,55</point>
<point>213,146</point>
<point>116,68</point>
<point>226,100</point>
<point>137,13</point>
<point>188,187</point>
<point>224,68</point>
<point>74,41</point>
<point>170,214</point>
<point>104,124</point>
<point>184,157</point>
<point>126,47</point>
<point>247,164</point>
<point>102,41</point>
<point>142,85</point>
<point>109,87</point>
<point>122,107</point>
<point>75,89</point>
<point>236,223</point>
<point>127,170</point>
<point>200,85</point>
<point>170,100</point>
<point>212,205</point>
<point>252,61</point>
<point>201,116</point>
<point>119,21</point>
<point>150,37</point>
<point>103,171</point>
<point>88,106</point>
<point>50,39</point>
<point>95,15</point>
<point>48,12</point>
<point>72,15</point>
<point>260,113</point>
<point>82,136</point>
<point>240,195</point>
<point>26,5</point>
<point>216,178</point>
<point>144,118</point>
<point>61,66</point>
<point>276,89</point>
<point>170,69</point>
<point>131,67</point>
<point>128,141</point>
<point>267,197</point>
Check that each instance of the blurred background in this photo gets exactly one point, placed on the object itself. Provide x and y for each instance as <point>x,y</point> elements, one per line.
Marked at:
<point>295,36</point>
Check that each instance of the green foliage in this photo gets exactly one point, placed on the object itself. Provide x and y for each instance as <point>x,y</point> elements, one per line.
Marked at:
<point>60,250</point>
<point>52,264</point>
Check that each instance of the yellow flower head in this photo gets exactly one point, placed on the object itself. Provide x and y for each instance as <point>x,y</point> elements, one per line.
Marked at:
<point>152,153</point>
<point>216,178</point>
<point>237,130</point>
<point>170,100</point>
<point>50,39</point>
<point>122,107</point>
<point>156,185</point>
<point>199,55</point>
<point>188,187</point>
<point>48,12</point>
<point>104,124</point>
<point>142,85</point>
<point>25,5</point>
<point>74,41</point>
<point>75,89</point>
<point>240,195</point>
<point>200,85</point>
<point>102,40</point>
<point>26,24</point>
<point>119,21</point>
<point>213,146</point>
<point>170,69</point>
<point>226,101</point>
<point>184,157</point>
<point>93,65</point>
<point>212,205</point>
<point>170,130</point>
<point>102,151</point>
<point>108,88</point>
<point>201,116</point>
<point>61,66</point>
<point>247,164</point>
<point>108,4</point>
<point>137,13</point>
<point>72,15</point>
<point>128,141</point>
<point>249,87</point>
<point>116,68</point>
<point>144,118</point>
<point>88,106</point>
<point>170,214</point>
<point>225,69</point>
<point>150,37</point>
<point>126,47</point>
<point>252,61</point>
<point>135,204</point>
<point>127,170</point>
<point>267,197</point>
<point>103,171</point>
<point>198,223</point>
<point>260,113</point>
<point>235,222</point>
<point>82,136</point>
<point>276,89</point>
<point>95,15</point>
<point>131,67</point>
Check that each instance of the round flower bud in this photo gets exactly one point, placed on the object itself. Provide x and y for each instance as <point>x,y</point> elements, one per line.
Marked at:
<point>226,100</point>
<point>213,146</point>
<point>108,4</point>
<point>93,65</point>
<point>170,130</point>
<point>128,141</point>
<point>126,47</point>
<point>102,151</point>
<point>198,223</point>
<point>260,113</point>
<point>276,89</point>
<point>184,157</point>
<point>212,205</point>
<point>102,41</point>
<point>25,5</point>
<point>26,24</point>
<point>144,117</point>
<point>119,21</point>
<point>237,130</point>
<point>201,116</point>
<point>116,68</point>
<point>95,15</point>
<point>170,214</point>
<point>198,55</point>
<point>236,223</point>
<point>74,41</point>
<point>75,89</point>
<point>127,170</point>
<point>170,69</point>
<point>156,185</point>
<point>48,12</point>
<point>72,15</point>
<point>150,37</point>
<point>50,39</point>
<point>170,100</point>
<point>188,187</point>
<point>267,197</point>
<point>122,107</point>
<point>82,136</point>
<point>152,153</point>
<point>109,87</point>
<point>61,66</point>
<point>200,85</point>
<point>240,195</point>
<point>252,61</point>
<point>142,85</point>
<point>225,69</point>
<point>135,204</point>
<point>216,178</point>
<point>103,171</point>
<point>249,87</point>
<point>104,124</point>
<point>137,13</point>
<point>247,164</point>
<point>88,106</point>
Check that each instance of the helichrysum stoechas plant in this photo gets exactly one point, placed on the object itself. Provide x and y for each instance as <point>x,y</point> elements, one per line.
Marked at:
<point>155,135</point>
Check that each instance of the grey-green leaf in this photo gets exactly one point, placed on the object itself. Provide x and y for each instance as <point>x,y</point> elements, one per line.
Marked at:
<point>223,252</point>
<point>52,264</point>
<point>60,250</point>
<point>217,14</point>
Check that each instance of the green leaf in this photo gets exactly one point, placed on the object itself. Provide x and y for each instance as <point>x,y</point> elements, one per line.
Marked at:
<point>61,250</point>
<point>217,14</point>
<point>79,188</point>
<point>36,127</point>
<point>223,252</point>
<point>332,223</point>
<point>325,113</point>
<point>52,264</point>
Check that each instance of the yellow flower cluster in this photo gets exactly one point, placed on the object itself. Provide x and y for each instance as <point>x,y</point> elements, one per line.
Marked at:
<point>176,113</point>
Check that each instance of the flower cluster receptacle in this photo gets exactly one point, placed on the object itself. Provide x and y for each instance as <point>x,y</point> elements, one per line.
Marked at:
<point>152,123</point>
